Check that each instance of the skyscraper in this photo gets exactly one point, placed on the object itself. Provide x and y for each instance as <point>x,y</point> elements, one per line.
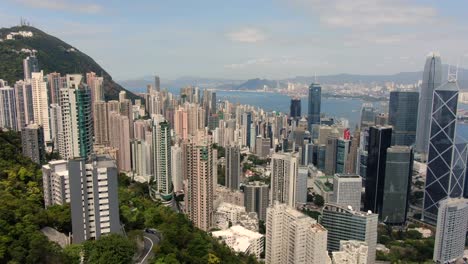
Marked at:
<point>295,109</point>
<point>446,164</point>
<point>32,142</point>
<point>8,117</point>
<point>40,103</point>
<point>380,138</point>
<point>246,125</point>
<point>397,185</point>
<point>342,152</point>
<point>77,123</point>
<point>119,137</point>
<point>284,170</point>
<point>101,122</point>
<point>432,78</point>
<point>157,83</point>
<point>347,190</point>
<point>450,236</point>
<point>30,65</point>
<point>161,187</point>
<point>292,237</point>
<point>95,211</point>
<point>24,104</point>
<point>256,198</point>
<point>344,224</point>
<point>367,116</point>
<point>331,146</point>
<point>233,168</point>
<point>199,171</point>
<point>403,117</point>
<point>55,82</point>
<point>315,98</point>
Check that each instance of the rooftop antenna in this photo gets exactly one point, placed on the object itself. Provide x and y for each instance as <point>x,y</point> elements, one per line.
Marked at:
<point>315,77</point>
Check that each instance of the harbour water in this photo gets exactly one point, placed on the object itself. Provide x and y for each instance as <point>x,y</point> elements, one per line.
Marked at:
<point>347,108</point>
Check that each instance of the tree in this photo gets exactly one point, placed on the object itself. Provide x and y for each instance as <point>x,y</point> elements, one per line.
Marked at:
<point>111,248</point>
<point>318,200</point>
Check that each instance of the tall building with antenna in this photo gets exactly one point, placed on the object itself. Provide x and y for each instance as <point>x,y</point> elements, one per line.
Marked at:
<point>432,78</point>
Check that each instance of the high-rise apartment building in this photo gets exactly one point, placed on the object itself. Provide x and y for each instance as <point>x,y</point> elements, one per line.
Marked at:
<point>233,167</point>
<point>199,171</point>
<point>347,190</point>
<point>8,118</point>
<point>314,102</point>
<point>119,137</point>
<point>446,164</point>
<point>161,187</point>
<point>292,237</point>
<point>30,65</point>
<point>32,142</point>
<point>345,224</point>
<point>55,82</point>
<point>177,168</point>
<point>284,170</point>
<point>24,104</point>
<point>403,117</point>
<point>101,123</point>
<point>93,197</point>
<point>256,198</point>
<point>56,183</point>
<point>450,236</point>
<point>77,122</point>
<point>40,103</point>
<point>432,78</point>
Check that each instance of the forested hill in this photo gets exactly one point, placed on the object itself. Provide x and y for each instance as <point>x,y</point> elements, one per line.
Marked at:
<point>22,215</point>
<point>54,55</point>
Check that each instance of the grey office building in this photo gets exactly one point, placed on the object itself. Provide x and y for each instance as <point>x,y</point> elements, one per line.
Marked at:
<point>93,197</point>
<point>398,171</point>
<point>380,139</point>
<point>295,109</point>
<point>32,142</point>
<point>367,116</point>
<point>432,78</point>
<point>315,98</point>
<point>256,198</point>
<point>233,168</point>
<point>403,117</point>
<point>345,224</point>
<point>446,166</point>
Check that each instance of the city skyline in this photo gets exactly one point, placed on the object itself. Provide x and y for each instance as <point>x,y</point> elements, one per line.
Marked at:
<point>285,39</point>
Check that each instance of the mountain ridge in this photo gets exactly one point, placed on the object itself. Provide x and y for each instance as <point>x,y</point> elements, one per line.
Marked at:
<point>54,55</point>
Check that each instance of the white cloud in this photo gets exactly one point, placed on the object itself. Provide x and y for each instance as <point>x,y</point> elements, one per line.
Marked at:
<point>247,35</point>
<point>62,5</point>
<point>365,14</point>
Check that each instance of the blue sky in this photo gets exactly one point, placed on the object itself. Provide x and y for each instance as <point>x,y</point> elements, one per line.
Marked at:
<point>247,39</point>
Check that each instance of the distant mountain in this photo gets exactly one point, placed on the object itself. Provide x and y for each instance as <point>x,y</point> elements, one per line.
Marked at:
<point>53,55</point>
<point>401,78</point>
<point>182,82</point>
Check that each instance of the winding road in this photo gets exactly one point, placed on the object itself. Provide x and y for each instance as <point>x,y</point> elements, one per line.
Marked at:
<point>147,254</point>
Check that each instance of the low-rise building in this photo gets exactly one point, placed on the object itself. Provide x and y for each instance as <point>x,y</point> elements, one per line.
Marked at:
<point>242,240</point>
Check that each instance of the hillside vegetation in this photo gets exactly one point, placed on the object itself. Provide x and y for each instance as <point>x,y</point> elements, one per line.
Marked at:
<point>54,55</point>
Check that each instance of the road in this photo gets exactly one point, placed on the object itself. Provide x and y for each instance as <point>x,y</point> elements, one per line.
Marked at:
<point>150,241</point>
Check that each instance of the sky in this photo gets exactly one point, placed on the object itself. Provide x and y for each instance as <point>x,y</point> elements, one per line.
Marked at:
<point>244,39</point>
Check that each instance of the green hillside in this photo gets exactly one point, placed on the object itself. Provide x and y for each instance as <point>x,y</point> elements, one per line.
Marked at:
<point>54,55</point>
